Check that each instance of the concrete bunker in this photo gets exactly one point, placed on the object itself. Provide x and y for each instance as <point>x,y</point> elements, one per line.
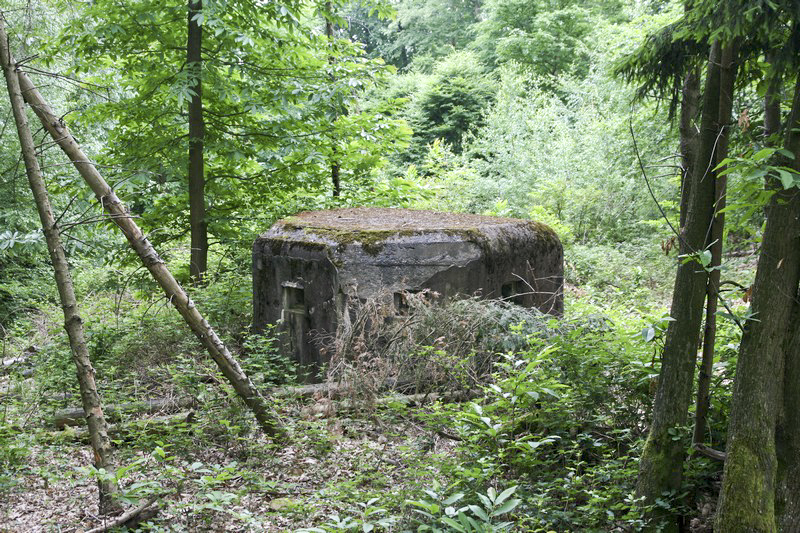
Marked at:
<point>307,267</point>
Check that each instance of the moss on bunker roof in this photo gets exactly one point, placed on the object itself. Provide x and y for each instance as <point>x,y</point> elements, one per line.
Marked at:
<point>383,219</point>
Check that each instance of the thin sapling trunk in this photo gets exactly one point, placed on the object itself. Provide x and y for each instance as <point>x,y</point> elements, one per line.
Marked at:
<point>198,227</point>
<point>92,407</point>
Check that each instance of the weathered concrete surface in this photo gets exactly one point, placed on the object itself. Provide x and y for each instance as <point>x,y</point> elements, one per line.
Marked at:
<point>305,267</point>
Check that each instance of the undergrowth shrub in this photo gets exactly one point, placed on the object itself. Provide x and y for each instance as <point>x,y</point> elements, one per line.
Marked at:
<point>427,346</point>
<point>14,452</point>
<point>564,416</point>
<point>263,361</point>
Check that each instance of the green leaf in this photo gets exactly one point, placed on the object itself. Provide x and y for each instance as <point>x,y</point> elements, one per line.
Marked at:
<point>762,154</point>
<point>755,173</point>
<point>479,512</point>
<point>551,392</point>
<point>724,162</point>
<point>506,507</point>
<point>504,495</point>
<point>453,499</point>
<point>453,524</point>
<point>485,500</point>
<point>787,178</point>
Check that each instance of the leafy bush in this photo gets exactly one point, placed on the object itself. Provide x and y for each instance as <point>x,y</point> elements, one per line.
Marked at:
<point>568,155</point>
<point>437,514</point>
<point>564,416</point>
<point>14,451</point>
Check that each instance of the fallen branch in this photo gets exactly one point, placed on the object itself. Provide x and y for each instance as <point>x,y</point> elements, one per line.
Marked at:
<point>76,417</point>
<point>305,391</point>
<point>711,453</point>
<point>122,431</point>
<point>132,518</point>
<point>7,364</point>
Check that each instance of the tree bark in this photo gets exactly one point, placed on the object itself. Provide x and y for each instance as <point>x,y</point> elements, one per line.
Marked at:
<point>172,289</point>
<point>787,432</point>
<point>690,97</point>
<point>747,500</point>
<point>787,435</point>
<point>772,99</point>
<point>728,70</point>
<point>73,324</point>
<point>661,464</point>
<point>198,262</point>
<point>335,180</point>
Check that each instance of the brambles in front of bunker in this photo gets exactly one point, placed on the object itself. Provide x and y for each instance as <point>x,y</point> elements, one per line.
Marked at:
<point>410,343</point>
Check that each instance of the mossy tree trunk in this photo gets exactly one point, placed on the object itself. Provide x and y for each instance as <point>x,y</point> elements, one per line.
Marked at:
<point>73,324</point>
<point>752,475</point>
<point>690,102</point>
<point>690,99</point>
<point>661,464</point>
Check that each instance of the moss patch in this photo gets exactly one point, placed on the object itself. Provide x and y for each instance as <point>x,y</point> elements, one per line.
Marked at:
<point>371,227</point>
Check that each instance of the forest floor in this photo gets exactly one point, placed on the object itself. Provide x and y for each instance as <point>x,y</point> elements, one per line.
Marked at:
<point>213,477</point>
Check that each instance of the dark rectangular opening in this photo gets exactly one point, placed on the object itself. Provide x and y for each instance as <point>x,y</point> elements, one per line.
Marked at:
<point>294,299</point>
<point>513,291</point>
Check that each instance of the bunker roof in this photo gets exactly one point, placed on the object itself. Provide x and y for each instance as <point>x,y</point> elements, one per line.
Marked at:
<point>394,220</point>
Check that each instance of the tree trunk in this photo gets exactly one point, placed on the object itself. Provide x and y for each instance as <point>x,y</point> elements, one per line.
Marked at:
<point>727,79</point>
<point>92,407</point>
<point>335,181</point>
<point>172,289</point>
<point>198,262</point>
<point>661,464</point>
<point>690,96</point>
<point>747,500</point>
<point>787,435</point>
<point>772,99</point>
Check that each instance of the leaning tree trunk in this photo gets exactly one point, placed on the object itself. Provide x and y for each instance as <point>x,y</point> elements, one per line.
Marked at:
<point>703,399</point>
<point>747,499</point>
<point>661,464</point>
<point>92,408</point>
<point>120,215</point>
<point>198,227</point>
